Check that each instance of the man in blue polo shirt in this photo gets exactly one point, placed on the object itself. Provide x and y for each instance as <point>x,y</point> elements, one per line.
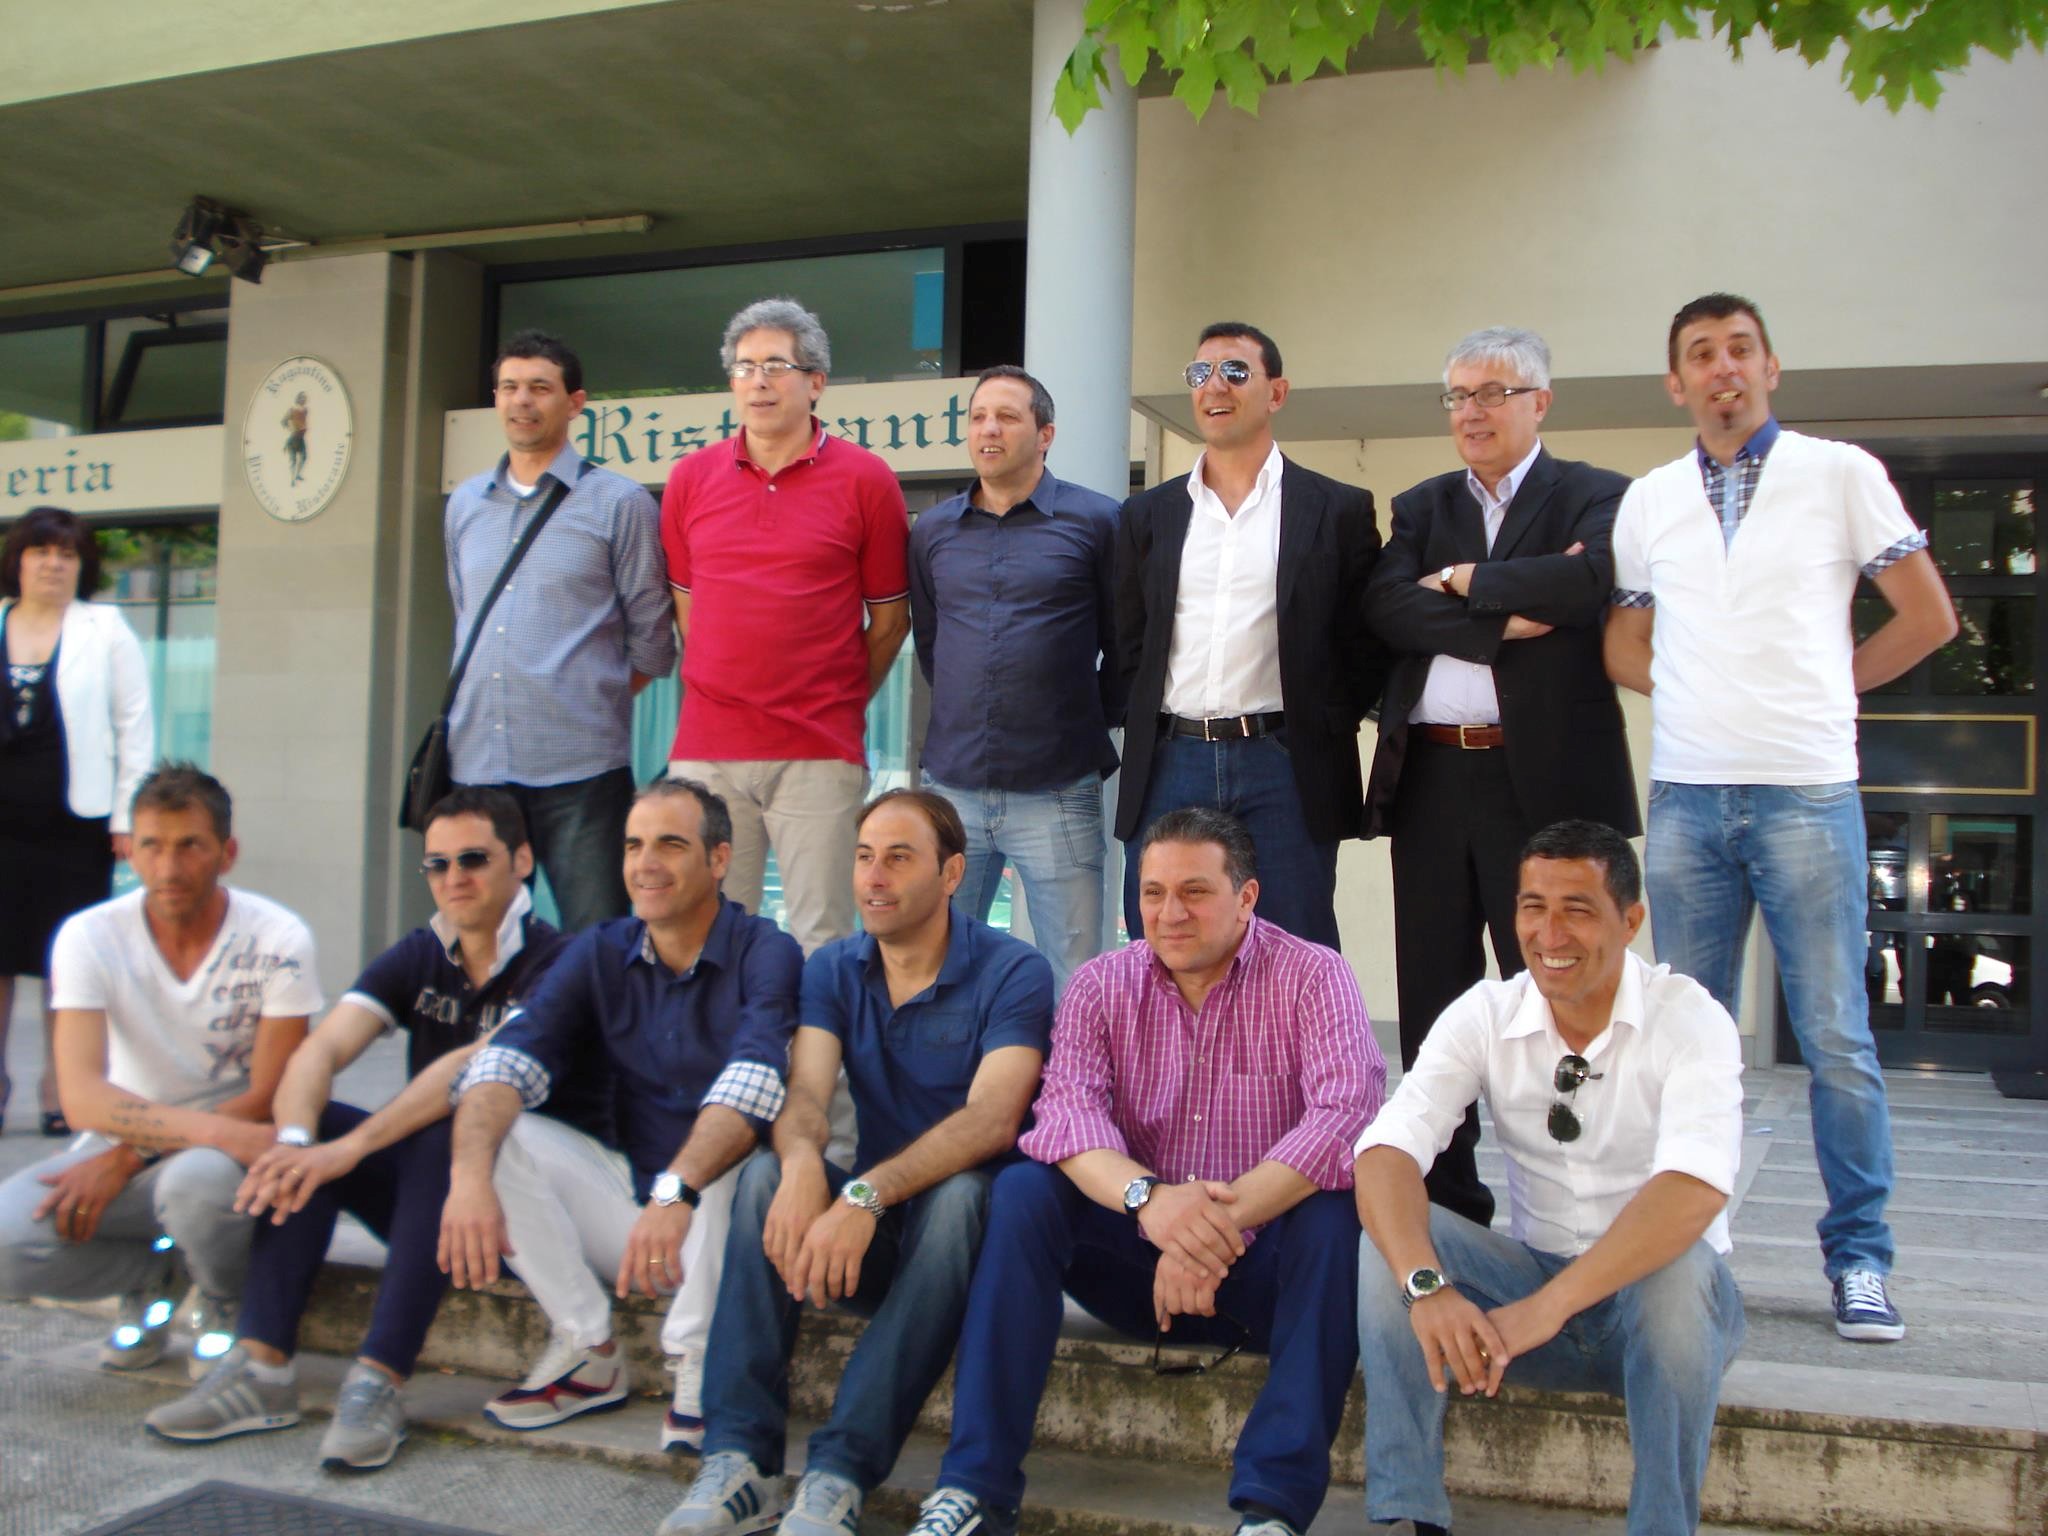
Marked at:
<point>1012,598</point>
<point>942,1025</point>
<point>447,986</point>
<point>693,1001</point>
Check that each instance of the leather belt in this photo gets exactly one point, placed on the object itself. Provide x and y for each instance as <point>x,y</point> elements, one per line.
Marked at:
<point>1473,738</point>
<point>1223,727</point>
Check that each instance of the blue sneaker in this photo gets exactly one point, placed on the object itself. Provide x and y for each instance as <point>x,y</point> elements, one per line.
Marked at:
<point>956,1512</point>
<point>1862,1310</point>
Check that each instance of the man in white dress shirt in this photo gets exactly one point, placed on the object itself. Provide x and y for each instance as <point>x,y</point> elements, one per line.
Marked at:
<point>1616,1094</point>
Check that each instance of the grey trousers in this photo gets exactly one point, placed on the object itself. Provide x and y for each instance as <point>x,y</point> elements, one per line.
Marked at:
<point>189,1196</point>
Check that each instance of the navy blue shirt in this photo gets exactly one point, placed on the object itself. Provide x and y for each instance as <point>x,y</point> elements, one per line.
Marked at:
<point>668,1037</point>
<point>1012,618</point>
<point>910,1067</point>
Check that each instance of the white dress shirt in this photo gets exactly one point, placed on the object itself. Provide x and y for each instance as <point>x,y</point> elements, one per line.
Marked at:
<point>1460,692</point>
<point>1669,1099</point>
<point>1225,656</point>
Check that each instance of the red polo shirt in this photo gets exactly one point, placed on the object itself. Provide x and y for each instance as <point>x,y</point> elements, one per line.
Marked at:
<point>779,570</point>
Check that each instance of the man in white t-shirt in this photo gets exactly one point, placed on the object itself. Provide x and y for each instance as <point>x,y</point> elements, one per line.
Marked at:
<point>177,1006</point>
<point>1741,560</point>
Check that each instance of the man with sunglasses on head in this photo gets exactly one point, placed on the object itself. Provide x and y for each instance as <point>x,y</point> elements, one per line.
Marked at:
<point>446,987</point>
<point>1499,717</point>
<point>1242,641</point>
<point>1189,1162</point>
<point>1616,1094</point>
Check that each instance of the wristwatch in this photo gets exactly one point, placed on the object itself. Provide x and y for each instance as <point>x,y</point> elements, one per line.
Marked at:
<point>862,1195</point>
<point>294,1136</point>
<point>1421,1284</point>
<point>669,1189</point>
<point>1136,1193</point>
<point>1444,577</point>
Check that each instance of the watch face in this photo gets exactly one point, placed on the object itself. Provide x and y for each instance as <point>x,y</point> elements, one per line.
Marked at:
<point>860,1190</point>
<point>1425,1282</point>
<point>667,1187</point>
<point>1136,1193</point>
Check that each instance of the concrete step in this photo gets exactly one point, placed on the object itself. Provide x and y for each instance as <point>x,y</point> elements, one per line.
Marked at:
<point>1797,1446</point>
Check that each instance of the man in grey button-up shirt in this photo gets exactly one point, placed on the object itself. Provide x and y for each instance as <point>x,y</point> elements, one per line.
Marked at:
<point>545,711</point>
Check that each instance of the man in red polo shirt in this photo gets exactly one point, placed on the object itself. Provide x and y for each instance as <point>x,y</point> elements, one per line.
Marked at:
<point>780,540</point>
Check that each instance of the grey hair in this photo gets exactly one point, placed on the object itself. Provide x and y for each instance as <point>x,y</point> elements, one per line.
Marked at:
<point>1524,351</point>
<point>813,347</point>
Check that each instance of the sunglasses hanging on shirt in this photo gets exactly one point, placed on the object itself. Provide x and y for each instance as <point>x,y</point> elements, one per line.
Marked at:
<point>1572,1074</point>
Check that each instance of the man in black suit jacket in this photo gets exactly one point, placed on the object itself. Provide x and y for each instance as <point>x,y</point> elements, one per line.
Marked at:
<point>1242,641</point>
<point>1499,718</point>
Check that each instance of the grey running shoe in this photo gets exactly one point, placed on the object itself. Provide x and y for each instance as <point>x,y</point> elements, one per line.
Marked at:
<point>825,1504</point>
<point>369,1422</point>
<point>229,1401</point>
<point>729,1498</point>
<point>137,1341</point>
<point>213,1332</point>
<point>956,1512</point>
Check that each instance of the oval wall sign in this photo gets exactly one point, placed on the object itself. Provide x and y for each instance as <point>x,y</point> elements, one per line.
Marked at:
<point>297,438</point>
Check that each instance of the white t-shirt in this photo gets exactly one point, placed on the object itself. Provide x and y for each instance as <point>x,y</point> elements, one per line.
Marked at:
<point>186,1042</point>
<point>1751,651</point>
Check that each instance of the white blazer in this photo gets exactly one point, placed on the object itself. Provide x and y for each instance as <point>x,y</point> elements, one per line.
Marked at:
<point>103,690</point>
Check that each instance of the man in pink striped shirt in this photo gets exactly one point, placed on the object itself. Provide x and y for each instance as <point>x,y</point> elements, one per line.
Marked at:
<point>1190,1164</point>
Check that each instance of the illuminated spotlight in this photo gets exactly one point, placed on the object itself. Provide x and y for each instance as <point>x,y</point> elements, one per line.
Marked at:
<point>192,243</point>
<point>211,1346</point>
<point>163,1244</point>
<point>158,1314</point>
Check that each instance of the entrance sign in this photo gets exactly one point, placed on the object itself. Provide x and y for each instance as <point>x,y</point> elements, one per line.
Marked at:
<point>297,438</point>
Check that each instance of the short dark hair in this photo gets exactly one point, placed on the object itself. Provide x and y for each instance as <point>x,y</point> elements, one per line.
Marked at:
<point>938,810</point>
<point>717,823</point>
<point>1201,824</point>
<point>1715,306</point>
<point>41,526</point>
<point>1041,397</point>
<point>180,787</point>
<point>532,343</point>
<point>1597,843</point>
<point>1269,350</point>
<point>507,821</point>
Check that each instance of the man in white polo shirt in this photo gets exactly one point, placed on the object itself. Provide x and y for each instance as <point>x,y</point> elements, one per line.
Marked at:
<point>1742,559</point>
<point>1616,1095</point>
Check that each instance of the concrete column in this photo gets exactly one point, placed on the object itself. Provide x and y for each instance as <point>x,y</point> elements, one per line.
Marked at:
<point>1077,285</point>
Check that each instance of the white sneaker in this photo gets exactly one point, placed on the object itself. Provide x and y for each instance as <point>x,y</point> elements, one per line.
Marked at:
<point>213,1332</point>
<point>564,1382</point>
<point>729,1498</point>
<point>826,1504</point>
<point>682,1427</point>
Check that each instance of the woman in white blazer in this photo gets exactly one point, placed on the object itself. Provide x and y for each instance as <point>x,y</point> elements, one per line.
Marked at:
<point>75,739</point>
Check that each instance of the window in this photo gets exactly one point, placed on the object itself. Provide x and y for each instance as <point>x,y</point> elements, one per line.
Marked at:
<point>43,383</point>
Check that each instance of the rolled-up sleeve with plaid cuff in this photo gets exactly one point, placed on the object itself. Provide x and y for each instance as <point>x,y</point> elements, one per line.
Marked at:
<point>750,1088</point>
<point>508,1065</point>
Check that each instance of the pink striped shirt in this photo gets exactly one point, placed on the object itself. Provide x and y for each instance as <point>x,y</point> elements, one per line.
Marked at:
<point>1280,1063</point>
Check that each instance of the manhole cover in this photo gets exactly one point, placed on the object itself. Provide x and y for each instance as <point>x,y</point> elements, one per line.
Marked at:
<point>224,1509</point>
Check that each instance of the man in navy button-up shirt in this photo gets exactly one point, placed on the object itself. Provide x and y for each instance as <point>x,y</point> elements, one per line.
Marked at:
<point>694,1001</point>
<point>1012,594</point>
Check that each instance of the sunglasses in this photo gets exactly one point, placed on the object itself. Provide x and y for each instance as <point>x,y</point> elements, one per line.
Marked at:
<point>1196,1369</point>
<point>470,860</point>
<point>1235,371</point>
<point>1572,1074</point>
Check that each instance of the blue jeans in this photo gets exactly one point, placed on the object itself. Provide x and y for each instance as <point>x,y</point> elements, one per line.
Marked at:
<point>1054,837</point>
<point>1661,1345</point>
<point>1045,1236</point>
<point>1718,851</point>
<point>578,832</point>
<point>1254,781</point>
<point>913,1287</point>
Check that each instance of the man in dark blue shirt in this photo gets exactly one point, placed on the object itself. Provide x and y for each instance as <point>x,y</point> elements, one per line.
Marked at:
<point>692,1001</point>
<point>447,986</point>
<point>941,1024</point>
<point>1012,593</point>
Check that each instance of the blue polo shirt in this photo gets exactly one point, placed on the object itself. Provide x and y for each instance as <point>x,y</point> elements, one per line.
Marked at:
<point>668,1037</point>
<point>910,1067</point>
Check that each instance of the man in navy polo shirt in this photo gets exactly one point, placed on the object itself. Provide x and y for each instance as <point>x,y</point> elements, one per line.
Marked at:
<point>447,986</point>
<point>942,1025</point>
<point>692,1001</point>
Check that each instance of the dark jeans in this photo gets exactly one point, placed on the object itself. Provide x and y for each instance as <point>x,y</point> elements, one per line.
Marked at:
<point>579,841</point>
<point>1254,781</point>
<point>397,1192</point>
<point>913,1285</point>
<point>1045,1237</point>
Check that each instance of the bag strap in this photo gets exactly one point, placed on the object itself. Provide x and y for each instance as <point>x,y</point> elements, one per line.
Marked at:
<point>547,510</point>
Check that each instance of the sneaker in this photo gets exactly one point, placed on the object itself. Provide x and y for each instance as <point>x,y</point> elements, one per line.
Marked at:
<point>229,1401</point>
<point>137,1341</point>
<point>369,1422</point>
<point>729,1498</point>
<point>682,1427</point>
<point>1863,1311</point>
<point>213,1332</point>
<point>825,1504</point>
<point>565,1382</point>
<point>1250,1527</point>
<point>956,1512</point>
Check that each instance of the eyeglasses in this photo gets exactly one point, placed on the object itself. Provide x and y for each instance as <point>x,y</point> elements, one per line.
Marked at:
<point>470,860</point>
<point>1235,371</point>
<point>1488,395</point>
<point>774,368</point>
<point>1572,1074</point>
<point>1194,1368</point>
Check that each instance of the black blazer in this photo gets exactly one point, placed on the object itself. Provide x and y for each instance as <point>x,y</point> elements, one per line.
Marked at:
<point>1331,668</point>
<point>1566,745</point>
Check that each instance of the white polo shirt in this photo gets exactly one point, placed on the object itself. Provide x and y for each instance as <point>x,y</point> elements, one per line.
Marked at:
<point>1668,1100</point>
<point>1751,654</point>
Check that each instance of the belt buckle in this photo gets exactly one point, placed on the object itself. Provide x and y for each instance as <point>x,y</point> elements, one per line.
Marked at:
<point>1207,722</point>
<point>1463,744</point>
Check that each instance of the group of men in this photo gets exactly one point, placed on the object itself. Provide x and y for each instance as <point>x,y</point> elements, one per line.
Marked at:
<point>658,1103</point>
